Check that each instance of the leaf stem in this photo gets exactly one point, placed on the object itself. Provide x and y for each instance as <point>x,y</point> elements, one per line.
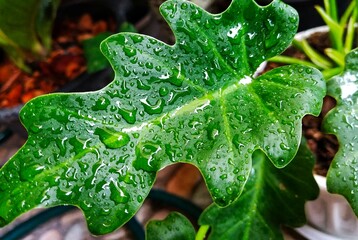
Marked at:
<point>292,60</point>
<point>202,232</point>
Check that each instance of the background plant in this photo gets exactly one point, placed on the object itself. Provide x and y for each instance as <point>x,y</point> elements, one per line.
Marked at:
<point>25,29</point>
<point>195,102</point>
<point>339,68</point>
<point>341,35</point>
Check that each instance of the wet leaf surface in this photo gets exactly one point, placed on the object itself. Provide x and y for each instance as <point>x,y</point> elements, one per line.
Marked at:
<point>342,121</point>
<point>174,226</point>
<point>195,102</point>
<point>271,198</point>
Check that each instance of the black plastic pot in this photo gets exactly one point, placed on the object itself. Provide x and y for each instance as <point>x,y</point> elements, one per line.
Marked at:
<point>120,11</point>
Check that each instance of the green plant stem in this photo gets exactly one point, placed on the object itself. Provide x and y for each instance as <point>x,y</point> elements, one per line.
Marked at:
<point>318,59</point>
<point>335,56</point>
<point>329,73</point>
<point>202,232</point>
<point>292,60</point>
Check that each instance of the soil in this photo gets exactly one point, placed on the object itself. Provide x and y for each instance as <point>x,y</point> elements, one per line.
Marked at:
<point>64,63</point>
<point>324,146</point>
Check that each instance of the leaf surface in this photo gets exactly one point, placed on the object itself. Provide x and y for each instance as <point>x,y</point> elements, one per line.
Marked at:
<point>271,198</point>
<point>342,121</point>
<point>195,102</point>
<point>174,226</point>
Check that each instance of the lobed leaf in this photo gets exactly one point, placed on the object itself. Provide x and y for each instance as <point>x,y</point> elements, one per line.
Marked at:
<point>271,198</point>
<point>174,226</point>
<point>342,121</point>
<point>195,102</point>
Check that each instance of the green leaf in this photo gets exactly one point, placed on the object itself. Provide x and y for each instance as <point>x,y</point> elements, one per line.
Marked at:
<point>174,227</point>
<point>94,57</point>
<point>271,198</point>
<point>342,121</point>
<point>195,102</point>
<point>26,27</point>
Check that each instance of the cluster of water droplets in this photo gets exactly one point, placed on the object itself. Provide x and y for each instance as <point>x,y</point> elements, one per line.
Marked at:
<point>342,121</point>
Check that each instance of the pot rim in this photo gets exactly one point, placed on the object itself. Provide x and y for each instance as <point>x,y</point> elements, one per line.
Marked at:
<point>306,33</point>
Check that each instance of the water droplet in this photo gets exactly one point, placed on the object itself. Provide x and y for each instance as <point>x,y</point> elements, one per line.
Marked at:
<point>141,85</point>
<point>118,194</point>
<point>149,65</point>
<point>145,156</point>
<point>163,91</point>
<point>229,190</point>
<point>223,177</point>
<point>129,51</point>
<point>283,146</point>
<point>137,38</point>
<point>128,115</point>
<point>64,195</point>
<point>111,138</point>
<point>178,93</point>
<point>35,128</point>
<point>140,199</point>
<point>155,108</point>
<point>241,178</point>
<point>101,104</point>
<point>213,132</point>
<point>169,151</point>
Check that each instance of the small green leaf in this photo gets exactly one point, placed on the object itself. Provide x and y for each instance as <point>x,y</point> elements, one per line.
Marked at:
<point>127,27</point>
<point>194,102</point>
<point>272,197</point>
<point>91,47</point>
<point>342,121</point>
<point>174,227</point>
<point>94,57</point>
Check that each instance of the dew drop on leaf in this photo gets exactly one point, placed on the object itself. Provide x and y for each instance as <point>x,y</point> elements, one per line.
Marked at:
<point>140,199</point>
<point>284,147</point>
<point>63,194</point>
<point>128,115</point>
<point>163,91</point>
<point>118,194</point>
<point>111,138</point>
<point>34,128</point>
<point>145,156</point>
<point>129,52</point>
<point>101,104</point>
<point>229,190</point>
<point>155,108</point>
